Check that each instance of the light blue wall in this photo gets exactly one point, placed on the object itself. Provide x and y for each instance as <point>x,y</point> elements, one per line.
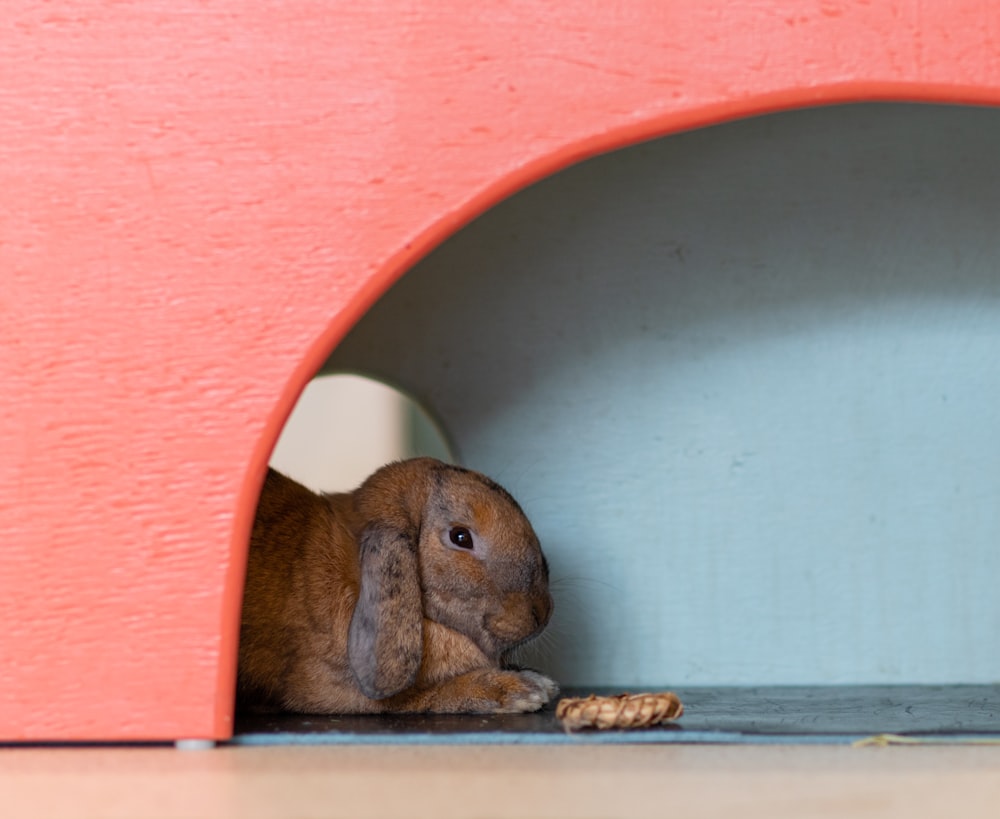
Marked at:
<point>745,381</point>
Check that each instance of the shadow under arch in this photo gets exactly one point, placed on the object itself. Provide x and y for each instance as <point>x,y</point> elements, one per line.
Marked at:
<point>880,219</point>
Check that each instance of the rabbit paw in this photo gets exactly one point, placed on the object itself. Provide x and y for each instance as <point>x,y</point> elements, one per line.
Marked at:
<point>482,691</point>
<point>521,691</point>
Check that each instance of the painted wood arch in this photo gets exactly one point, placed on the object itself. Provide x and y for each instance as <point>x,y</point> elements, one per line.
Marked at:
<point>198,200</point>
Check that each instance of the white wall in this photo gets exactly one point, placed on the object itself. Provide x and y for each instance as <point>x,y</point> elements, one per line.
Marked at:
<point>745,381</point>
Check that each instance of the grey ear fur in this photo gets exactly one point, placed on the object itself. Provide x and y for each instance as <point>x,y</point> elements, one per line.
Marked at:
<point>385,640</point>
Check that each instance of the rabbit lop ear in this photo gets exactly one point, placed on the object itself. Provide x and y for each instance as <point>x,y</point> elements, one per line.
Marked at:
<point>385,640</point>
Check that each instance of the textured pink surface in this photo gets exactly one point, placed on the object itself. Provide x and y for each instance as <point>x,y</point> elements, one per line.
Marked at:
<point>198,199</point>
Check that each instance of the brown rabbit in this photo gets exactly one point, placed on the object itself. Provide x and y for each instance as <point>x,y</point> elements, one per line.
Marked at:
<point>403,595</point>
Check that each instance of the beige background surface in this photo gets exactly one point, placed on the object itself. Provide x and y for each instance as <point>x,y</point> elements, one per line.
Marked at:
<point>467,782</point>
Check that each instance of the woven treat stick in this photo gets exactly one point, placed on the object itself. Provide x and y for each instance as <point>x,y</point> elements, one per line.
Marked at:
<point>622,711</point>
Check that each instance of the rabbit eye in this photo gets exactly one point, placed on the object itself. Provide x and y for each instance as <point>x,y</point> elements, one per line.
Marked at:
<point>461,537</point>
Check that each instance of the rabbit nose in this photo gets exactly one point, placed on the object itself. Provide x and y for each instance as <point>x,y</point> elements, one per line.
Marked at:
<point>541,608</point>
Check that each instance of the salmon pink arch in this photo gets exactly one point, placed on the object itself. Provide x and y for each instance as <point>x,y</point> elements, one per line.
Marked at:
<point>197,202</point>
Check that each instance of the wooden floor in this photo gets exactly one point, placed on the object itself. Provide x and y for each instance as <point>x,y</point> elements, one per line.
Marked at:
<point>490,781</point>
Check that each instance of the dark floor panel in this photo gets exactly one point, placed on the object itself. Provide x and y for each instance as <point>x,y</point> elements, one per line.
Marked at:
<point>738,715</point>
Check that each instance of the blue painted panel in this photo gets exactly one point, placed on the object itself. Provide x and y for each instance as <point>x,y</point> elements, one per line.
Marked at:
<point>745,382</point>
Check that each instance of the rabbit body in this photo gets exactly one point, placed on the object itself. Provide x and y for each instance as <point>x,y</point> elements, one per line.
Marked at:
<point>401,596</point>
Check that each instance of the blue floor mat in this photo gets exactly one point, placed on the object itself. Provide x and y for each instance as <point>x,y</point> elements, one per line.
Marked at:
<point>739,715</point>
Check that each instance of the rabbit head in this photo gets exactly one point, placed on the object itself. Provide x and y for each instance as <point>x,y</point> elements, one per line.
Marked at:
<point>448,544</point>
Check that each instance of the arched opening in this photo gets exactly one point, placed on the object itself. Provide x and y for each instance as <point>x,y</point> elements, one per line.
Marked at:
<point>741,379</point>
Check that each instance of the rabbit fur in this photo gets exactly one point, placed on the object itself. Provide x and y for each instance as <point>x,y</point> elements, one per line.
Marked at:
<point>401,596</point>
